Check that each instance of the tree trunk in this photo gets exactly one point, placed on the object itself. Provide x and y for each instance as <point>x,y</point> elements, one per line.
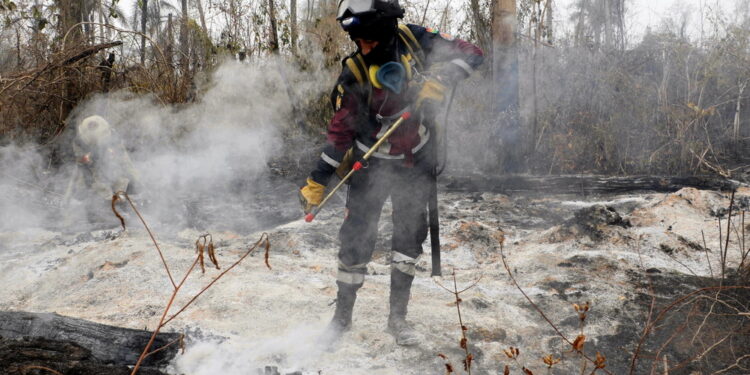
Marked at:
<point>480,26</point>
<point>549,21</point>
<point>608,27</point>
<point>100,18</point>
<point>621,24</point>
<point>580,33</point>
<point>70,15</point>
<point>144,14</point>
<point>444,17</point>
<point>19,60</point>
<point>199,5</point>
<point>274,36</point>
<point>505,83</point>
<point>505,55</point>
<point>737,119</point>
<point>86,17</point>
<point>424,14</point>
<point>184,48</point>
<point>293,24</point>
<point>169,51</point>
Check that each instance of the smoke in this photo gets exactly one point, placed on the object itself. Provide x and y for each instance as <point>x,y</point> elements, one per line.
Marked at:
<point>295,350</point>
<point>195,163</point>
<point>22,202</point>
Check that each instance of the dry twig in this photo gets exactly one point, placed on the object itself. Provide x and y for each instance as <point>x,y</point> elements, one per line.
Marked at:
<point>203,242</point>
<point>539,310</point>
<point>464,343</point>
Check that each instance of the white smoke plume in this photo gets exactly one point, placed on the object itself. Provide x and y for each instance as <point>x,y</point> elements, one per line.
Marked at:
<point>296,349</point>
<point>190,157</point>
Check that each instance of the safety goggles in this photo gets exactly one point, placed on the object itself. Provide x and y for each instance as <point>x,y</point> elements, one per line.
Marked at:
<point>349,23</point>
<point>355,7</point>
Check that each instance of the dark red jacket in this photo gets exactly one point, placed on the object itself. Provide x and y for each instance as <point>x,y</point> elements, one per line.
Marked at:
<point>355,122</point>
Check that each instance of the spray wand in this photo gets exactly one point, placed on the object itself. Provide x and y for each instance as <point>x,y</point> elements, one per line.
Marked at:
<point>358,165</point>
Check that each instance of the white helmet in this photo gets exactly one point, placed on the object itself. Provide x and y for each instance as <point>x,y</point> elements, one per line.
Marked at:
<point>94,130</point>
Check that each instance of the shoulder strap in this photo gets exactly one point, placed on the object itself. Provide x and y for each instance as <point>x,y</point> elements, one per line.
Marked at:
<point>412,44</point>
<point>357,66</point>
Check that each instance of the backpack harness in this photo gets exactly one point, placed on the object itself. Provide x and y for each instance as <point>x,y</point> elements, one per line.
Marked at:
<point>363,74</point>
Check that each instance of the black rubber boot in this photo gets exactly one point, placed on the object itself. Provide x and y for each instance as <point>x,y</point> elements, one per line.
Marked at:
<point>401,330</point>
<point>342,317</point>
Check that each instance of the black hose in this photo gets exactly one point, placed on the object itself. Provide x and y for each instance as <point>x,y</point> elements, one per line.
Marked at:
<point>440,167</point>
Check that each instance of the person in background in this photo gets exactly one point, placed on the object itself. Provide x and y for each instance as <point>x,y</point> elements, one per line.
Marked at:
<point>103,167</point>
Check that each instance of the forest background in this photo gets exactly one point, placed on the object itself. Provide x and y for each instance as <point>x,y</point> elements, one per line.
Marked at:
<point>575,86</point>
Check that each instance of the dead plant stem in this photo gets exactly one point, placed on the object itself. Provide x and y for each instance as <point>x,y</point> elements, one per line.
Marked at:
<point>726,244</point>
<point>651,324</point>
<point>652,294</point>
<point>742,250</point>
<point>153,239</point>
<point>721,250</point>
<point>705,251</point>
<point>263,240</point>
<point>539,310</point>
<point>156,331</point>
<point>464,341</point>
<point>179,339</point>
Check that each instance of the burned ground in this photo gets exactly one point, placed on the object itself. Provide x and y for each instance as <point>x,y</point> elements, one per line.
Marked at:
<point>257,317</point>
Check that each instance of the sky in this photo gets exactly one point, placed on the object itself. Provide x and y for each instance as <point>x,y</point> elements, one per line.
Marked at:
<point>642,14</point>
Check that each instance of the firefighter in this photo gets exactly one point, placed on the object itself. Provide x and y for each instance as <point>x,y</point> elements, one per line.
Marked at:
<point>366,101</point>
<point>103,166</point>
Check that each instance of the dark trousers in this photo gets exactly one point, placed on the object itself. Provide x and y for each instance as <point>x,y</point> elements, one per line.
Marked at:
<point>409,188</point>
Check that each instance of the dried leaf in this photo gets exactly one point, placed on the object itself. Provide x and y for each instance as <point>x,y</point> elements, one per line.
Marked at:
<point>467,362</point>
<point>182,343</point>
<point>527,371</point>
<point>463,343</point>
<point>464,328</point>
<point>582,308</point>
<point>199,247</point>
<point>115,199</point>
<point>443,356</point>
<point>507,370</point>
<point>512,352</point>
<point>600,361</point>
<point>550,361</point>
<point>579,342</point>
<point>212,254</point>
<point>448,368</point>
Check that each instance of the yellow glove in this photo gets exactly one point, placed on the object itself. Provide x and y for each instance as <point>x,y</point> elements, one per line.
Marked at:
<point>346,164</point>
<point>311,195</point>
<point>433,91</point>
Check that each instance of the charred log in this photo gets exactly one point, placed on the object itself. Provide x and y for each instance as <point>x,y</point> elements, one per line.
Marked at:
<point>583,184</point>
<point>75,346</point>
<point>35,356</point>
